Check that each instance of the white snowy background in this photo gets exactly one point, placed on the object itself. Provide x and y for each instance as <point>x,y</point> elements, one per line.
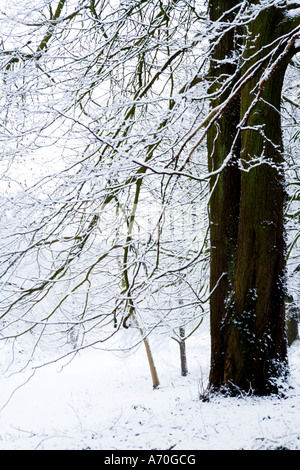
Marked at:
<point>103,400</point>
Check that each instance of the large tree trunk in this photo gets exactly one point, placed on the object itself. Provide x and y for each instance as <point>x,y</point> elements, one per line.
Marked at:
<point>257,352</point>
<point>225,188</point>
<point>249,349</point>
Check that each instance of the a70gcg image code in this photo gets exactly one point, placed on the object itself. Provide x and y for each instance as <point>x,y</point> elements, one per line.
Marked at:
<point>171,459</point>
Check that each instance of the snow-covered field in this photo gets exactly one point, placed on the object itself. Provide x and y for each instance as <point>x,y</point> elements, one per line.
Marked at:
<point>103,400</point>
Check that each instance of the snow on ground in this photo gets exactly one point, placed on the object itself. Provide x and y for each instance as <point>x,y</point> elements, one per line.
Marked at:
<point>101,401</point>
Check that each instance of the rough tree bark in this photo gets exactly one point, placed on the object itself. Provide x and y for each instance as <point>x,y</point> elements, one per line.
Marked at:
<point>225,188</point>
<point>249,348</point>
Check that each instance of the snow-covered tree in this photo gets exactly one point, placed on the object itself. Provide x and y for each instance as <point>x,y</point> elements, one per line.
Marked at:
<point>109,199</point>
<point>247,210</point>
